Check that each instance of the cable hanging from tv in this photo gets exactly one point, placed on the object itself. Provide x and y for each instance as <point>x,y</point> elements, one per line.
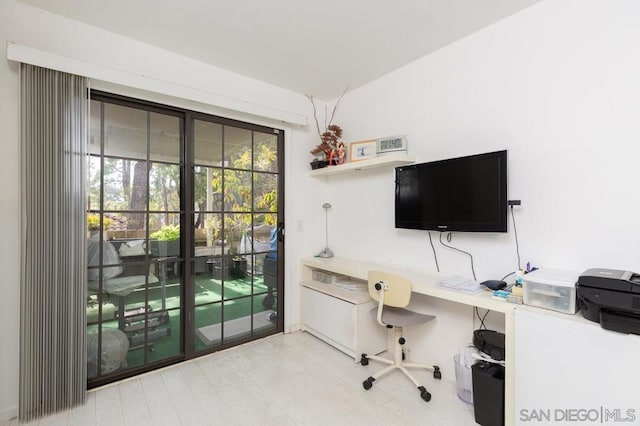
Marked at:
<point>435,255</point>
<point>461,251</point>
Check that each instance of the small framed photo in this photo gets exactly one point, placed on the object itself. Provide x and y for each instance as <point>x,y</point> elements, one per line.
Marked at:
<point>362,150</point>
<point>391,144</point>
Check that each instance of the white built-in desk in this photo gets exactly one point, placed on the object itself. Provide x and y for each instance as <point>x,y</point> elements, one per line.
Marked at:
<point>424,282</point>
<point>565,360</point>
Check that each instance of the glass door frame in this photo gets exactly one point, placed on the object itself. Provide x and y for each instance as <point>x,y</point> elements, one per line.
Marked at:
<point>148,107</point>
<point>189,332</point>
<point>186,213</point>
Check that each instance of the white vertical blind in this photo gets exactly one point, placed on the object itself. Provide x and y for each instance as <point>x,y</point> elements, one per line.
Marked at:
<point>53,282</point>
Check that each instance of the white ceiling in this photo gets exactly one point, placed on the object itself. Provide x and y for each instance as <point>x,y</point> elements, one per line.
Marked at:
<point>315,47</point>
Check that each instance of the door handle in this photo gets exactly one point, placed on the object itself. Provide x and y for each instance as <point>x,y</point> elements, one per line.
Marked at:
<point>280,232</point>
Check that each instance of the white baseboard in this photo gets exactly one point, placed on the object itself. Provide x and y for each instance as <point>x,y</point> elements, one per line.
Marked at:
<point>8,413</point>
<point>292,328</point>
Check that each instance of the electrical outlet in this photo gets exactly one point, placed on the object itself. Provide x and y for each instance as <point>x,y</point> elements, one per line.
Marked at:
<point>299,226</point>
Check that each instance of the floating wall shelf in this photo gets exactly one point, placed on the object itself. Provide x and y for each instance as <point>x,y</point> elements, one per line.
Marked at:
<point>387,160</point>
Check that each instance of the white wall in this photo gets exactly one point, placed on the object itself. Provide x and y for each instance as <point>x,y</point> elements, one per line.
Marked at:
<point>10,229</point>
<point>31,27</point>
<point>558,86</point>
<point>596,377</point>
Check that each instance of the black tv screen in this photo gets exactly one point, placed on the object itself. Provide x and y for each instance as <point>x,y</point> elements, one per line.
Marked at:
<point>466,194</point>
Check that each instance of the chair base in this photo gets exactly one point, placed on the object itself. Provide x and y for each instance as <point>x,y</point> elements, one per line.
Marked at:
<point>398,363</point>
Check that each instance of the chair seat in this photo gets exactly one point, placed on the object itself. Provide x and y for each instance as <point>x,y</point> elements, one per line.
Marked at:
<point>121,286</point>
<point>399,317</point>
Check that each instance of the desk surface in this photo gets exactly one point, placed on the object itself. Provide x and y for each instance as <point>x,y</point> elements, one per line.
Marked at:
<point>423,281</point>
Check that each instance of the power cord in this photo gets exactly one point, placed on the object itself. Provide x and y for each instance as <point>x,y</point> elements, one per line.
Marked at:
<point>435,255</point>
<point>482,325</point>
<point>461,251</point>
<point>515,232</point>
<point>484,357</point>
<point>510,273</point>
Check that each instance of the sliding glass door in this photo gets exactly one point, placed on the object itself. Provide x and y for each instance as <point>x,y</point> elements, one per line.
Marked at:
<point>236,194</point>
<point>184,235</point>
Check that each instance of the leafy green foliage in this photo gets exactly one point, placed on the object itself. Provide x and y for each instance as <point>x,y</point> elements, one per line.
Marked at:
<point>93,222</point>
<point>167,233</point>
<point>248,179</point>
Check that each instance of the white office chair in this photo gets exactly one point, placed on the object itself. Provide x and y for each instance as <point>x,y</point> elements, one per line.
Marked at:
<point>393,293</point>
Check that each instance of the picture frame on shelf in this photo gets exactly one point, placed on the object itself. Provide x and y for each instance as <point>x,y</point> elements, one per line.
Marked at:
<point>391,144</point>
<point>363,150</point>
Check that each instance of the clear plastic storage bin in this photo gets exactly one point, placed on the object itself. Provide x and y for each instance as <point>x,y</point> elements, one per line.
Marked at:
<point>551,289</point>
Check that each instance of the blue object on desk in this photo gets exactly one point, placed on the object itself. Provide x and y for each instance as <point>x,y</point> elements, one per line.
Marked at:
<point>501,294</point>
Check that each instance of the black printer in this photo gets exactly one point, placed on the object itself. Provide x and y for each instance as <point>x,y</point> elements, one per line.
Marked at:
<point>610,297</point>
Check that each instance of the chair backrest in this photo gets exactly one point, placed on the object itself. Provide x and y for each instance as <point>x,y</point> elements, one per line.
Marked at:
<point>398,288</point>
<point>110,256</point>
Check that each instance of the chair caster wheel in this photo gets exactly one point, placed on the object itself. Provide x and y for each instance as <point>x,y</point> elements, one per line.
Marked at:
<point>364,361</point>
<point>424,394</point>
<point>367,384</point>
<point>437,374</point>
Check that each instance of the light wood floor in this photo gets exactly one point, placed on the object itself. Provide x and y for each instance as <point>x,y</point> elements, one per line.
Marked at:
<point>290,379</point>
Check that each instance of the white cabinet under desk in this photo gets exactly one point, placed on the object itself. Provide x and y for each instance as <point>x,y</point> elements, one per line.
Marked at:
<point>341,317</point>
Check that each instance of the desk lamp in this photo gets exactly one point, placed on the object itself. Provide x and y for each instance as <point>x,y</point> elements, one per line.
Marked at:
<point>326,252</point>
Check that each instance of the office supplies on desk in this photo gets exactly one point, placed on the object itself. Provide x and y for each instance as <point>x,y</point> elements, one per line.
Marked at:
<point>512,298</point>
<point>507,296</point>
<point>494,284</point>
<point>463,285</point>
<point>610,297</point>
<point>501,294</point>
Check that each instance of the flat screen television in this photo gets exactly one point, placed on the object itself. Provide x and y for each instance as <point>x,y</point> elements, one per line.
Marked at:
<point>467,194</point>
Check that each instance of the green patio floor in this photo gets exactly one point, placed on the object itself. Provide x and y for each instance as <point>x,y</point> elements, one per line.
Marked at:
<point>209,310</point>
